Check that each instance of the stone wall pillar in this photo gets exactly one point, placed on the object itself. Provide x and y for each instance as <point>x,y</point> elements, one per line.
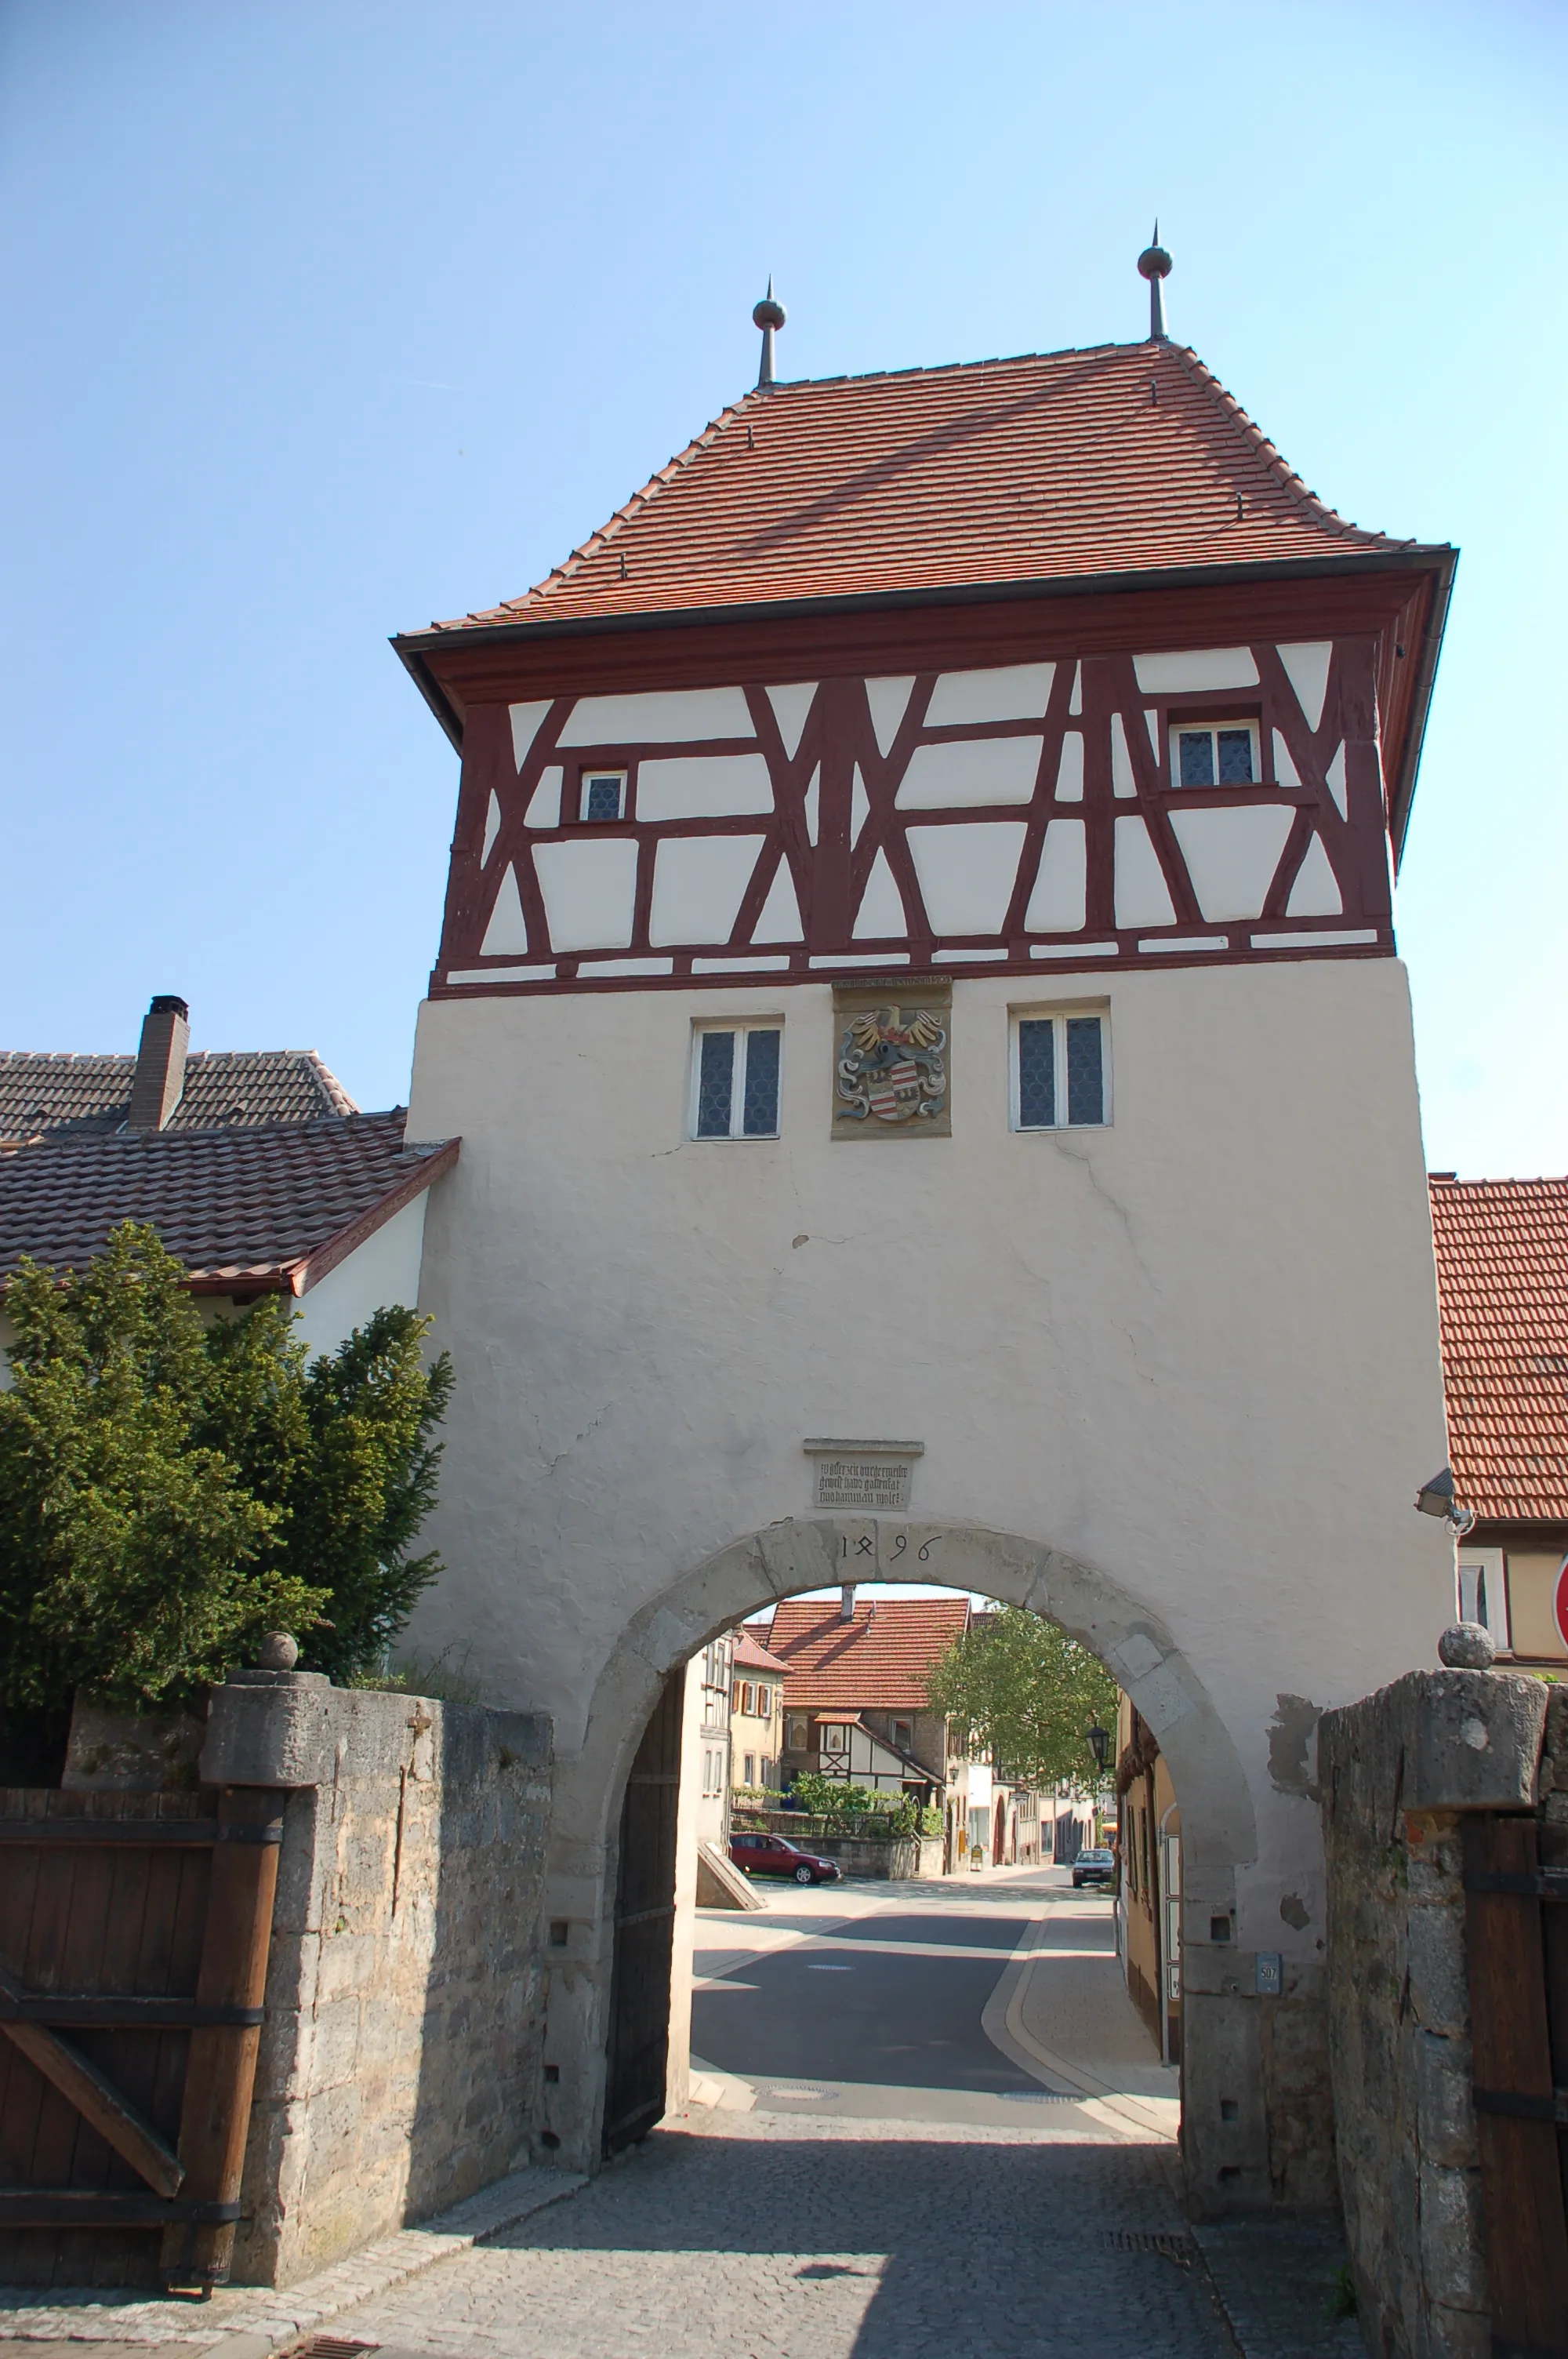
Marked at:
<point>399,2060</point>
<point>1399,1771</point>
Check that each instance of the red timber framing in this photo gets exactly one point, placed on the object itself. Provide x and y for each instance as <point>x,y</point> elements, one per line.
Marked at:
<point>1339,778</point>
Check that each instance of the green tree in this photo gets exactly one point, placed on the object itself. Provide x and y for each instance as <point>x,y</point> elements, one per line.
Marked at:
<point>134,1563</point>
<point>343,1447</point>
<point>167,1492</point>
<point>1027,1692</point>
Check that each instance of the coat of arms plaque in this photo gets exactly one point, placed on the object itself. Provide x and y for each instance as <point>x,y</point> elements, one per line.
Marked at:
<point>890,1069</point>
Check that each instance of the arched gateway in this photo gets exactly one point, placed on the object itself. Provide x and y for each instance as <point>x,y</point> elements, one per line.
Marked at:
<point>805,1553</point>
<point>918,960</point>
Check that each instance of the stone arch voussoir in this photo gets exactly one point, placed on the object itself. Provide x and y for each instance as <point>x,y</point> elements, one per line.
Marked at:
<point>1218,1828</point>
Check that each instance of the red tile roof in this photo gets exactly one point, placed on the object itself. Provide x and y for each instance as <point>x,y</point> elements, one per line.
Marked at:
<point>878,1662</point>
<point>1050,465</point>
<point>241,1208</point>
<point>44,1091</point>
<point>1502,1286</point>
<point>750,1654</point>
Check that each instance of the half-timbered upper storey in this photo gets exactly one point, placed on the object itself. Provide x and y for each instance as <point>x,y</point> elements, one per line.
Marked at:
<point>998,668</point>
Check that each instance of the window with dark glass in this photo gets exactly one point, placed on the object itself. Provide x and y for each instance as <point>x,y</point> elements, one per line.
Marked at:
<point>603,794</point>
<point>1215,753</point>
<point>1059,1073</point>
<point>735,1091</point>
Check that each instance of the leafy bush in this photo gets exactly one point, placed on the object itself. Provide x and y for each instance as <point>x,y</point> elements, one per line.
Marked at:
<point>168,1492</point>
<point>857,1810</point>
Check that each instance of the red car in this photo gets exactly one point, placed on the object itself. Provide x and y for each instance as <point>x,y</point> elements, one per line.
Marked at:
<point>770,1855</point>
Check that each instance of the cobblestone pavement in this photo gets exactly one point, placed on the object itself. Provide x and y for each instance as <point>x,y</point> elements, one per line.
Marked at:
<point>756,2237</point>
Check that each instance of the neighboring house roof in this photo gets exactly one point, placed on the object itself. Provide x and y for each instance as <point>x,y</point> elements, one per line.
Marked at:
<point>1502,1289</point>
<point>44,1093</point>
<point>243,1207</point>
<point>1124,459</point>
<point>750,1654</point>
<point>878,1662</point>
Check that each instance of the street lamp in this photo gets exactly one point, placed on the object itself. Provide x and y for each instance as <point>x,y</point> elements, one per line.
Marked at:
<point>1098,1741</point>
<point>1437,1498</point>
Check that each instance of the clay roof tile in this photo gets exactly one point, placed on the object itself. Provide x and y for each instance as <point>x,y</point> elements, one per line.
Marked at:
<point>1502,1286</point>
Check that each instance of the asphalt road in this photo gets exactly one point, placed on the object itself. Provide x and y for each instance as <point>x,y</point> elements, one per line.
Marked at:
<point>956,2002</point>
<point>854,2003</point>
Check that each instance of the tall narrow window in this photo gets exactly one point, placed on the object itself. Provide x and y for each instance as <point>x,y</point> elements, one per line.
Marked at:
<point>1482,1592</point>
<point>1060,1072</point>
<point>1215,754</point>
<point>735,1081</point>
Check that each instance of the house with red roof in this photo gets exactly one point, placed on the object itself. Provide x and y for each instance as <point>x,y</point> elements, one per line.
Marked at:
<point>756,1715</point>
<point>1502,1290</point>
<point>856,1708</point>
<point>255,1167</point>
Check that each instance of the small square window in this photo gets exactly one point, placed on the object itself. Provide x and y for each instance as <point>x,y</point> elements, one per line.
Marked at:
<point>735,1081</point>
<point>1060,1072</point>
<point>604,795</point>
<point>1215,754</point>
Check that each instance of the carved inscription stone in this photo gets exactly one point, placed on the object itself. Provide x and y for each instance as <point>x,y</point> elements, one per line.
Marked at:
<point>863,1477</point>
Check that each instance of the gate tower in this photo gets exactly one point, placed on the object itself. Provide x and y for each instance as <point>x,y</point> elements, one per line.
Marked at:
<point>918,996</point>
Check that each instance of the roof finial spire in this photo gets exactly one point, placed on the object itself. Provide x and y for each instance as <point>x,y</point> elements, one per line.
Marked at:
<point>768,316</point>
<point>1155,264</point>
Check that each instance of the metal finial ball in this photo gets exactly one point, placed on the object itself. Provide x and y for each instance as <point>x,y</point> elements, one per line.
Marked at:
<point>768,312</point>
<point>1467,1647</point>
<point>1154,262</point>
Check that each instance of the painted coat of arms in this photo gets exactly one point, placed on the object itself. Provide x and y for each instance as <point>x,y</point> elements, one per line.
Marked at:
<point>892,1066</point>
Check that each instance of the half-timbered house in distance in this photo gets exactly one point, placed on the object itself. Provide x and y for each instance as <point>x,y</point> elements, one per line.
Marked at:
<point>918,996</point>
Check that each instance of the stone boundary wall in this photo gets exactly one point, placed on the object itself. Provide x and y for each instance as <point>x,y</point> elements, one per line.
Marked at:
<point>1398,1771</point>
<point>399,2060</point>
<point>879,1857</point>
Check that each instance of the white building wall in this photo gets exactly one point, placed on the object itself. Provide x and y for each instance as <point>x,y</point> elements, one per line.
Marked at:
<point>1196,1349</point>
<point>383,1271</point>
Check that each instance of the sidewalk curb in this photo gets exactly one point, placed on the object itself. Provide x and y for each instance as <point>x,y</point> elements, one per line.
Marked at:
<point>256,2322</point>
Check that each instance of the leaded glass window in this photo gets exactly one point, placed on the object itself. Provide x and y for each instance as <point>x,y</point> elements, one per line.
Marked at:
<point>604,795</point>
<point>715,1083</point>
<point>1060,1072</point>
<point>735,1083</point>
<point>1036,1073</point>
<point>1217,754</point>
<point>1197,758</point>
<point>1086,1073</point>
<point>760,1098</point>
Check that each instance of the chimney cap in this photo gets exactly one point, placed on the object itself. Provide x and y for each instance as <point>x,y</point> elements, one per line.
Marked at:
<point>168,1003</point>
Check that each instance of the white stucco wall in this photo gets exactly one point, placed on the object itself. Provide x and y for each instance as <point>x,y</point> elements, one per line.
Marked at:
<point>1197,1349</point>
<point>384,1270</point>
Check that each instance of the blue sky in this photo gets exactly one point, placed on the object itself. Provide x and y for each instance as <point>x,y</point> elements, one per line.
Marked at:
<point>326,319</point>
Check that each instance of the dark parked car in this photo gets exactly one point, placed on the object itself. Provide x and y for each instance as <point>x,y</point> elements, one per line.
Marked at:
<point>1093,1867</point>
<point>770,1855</point>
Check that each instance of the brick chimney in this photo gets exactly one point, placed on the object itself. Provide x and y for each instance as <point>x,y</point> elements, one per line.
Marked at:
<point>159,1078</point>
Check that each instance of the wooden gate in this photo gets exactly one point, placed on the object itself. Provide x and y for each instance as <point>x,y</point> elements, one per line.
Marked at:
<point>644,1927</point>
<point>134,1936</point>
<point>1518,1944</point>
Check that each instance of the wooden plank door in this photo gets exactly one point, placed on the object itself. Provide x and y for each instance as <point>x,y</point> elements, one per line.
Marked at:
<point>1521,2099</point>
<point>644,1927</point>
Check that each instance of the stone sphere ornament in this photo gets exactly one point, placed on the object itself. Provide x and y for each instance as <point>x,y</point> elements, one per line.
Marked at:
<point>1467,1647</point>
<point>278,1652</point>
